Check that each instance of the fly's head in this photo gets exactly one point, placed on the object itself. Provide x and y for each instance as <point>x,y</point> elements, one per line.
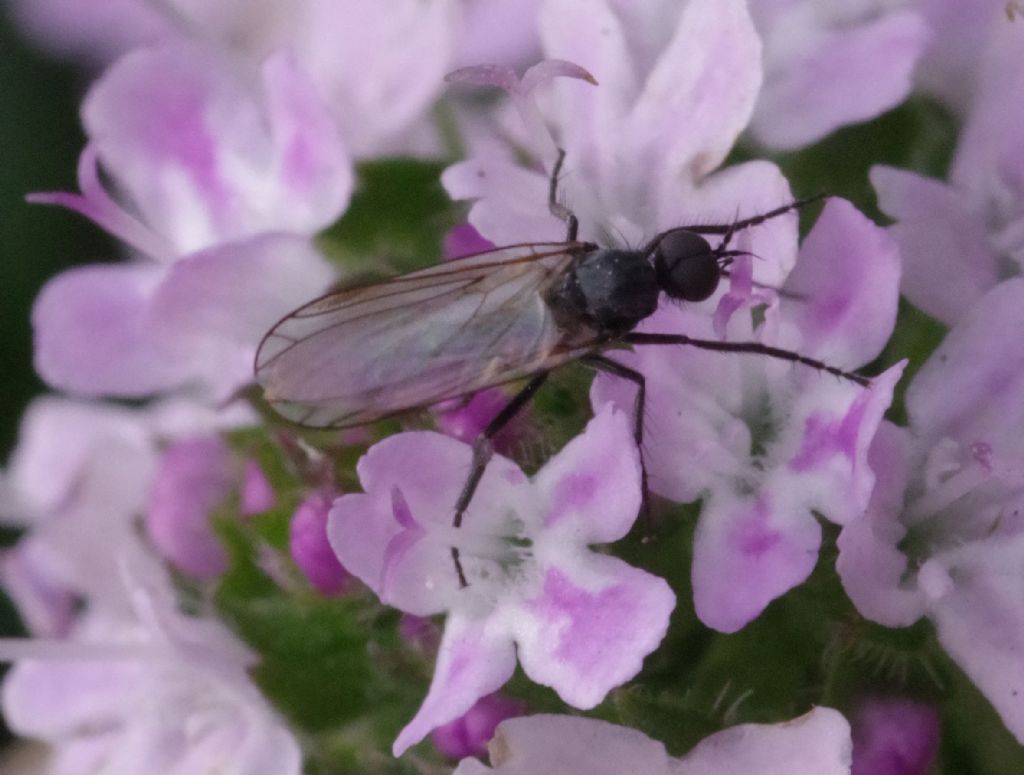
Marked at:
<point>686,265</point>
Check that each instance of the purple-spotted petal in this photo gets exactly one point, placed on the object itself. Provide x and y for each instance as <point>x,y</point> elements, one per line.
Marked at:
<point>747,553</point>
<point>430,469</point>
<point>847,284</point>
<point>827,445</point>
<point>947,261</point>
<point>206,156</point>
<point>844,76</point>
<point>592,486</point>
<point>473,661</point>
<point>586,633</point>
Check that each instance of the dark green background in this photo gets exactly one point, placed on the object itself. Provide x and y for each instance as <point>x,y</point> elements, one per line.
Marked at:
<point>40,137</point>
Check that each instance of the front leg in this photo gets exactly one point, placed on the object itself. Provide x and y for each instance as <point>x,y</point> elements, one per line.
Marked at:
<point>483,451</point>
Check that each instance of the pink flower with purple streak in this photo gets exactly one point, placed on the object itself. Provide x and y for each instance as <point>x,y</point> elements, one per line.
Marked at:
<point>944,534</point>
<point>764,444</point>
<point>230,175</point>
<point>677,85</point>
<point>817,743</point>
<point>579,621</point>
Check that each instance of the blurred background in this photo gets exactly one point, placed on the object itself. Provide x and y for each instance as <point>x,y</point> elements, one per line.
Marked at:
<point>40,138</point>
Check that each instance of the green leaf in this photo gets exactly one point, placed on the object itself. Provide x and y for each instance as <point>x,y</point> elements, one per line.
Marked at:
<point>315,667</point>
<point>398,215</point>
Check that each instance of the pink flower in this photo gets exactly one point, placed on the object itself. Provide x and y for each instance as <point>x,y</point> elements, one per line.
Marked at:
<point>895,737</point>
<point>230,178</point>
<point>943,536</point>
<point>156,691</point>
<point>676,86</point>
<point>767,445</point>
<point>469,734</point>
<point>579,621</point>
<point>832,62</point>
<point>310,548</point>
<point>194,478</point>
<point>817,743</point>
<point>961,237</point>
<point>79,479</point>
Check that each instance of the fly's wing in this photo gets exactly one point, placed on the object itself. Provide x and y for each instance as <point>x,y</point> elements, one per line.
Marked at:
<point>358,355</point>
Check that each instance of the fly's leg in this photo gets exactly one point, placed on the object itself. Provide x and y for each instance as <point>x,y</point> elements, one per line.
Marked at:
<point>745,347</point>
<point>727,230</point>
<point>557,209</point>
<point>483,450</point>
<point>602,363</point>
<point>746,223</point>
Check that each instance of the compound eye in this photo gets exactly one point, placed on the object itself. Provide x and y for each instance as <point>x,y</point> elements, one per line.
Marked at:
<point>686,266</point>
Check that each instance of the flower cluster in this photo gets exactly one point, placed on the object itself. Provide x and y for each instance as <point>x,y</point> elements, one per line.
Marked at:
<point>761,489</point>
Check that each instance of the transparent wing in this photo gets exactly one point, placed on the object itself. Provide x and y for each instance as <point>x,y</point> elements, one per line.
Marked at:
<point>358,355</point>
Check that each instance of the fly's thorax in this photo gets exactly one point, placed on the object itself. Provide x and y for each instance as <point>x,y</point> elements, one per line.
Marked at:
<point>609,291</point>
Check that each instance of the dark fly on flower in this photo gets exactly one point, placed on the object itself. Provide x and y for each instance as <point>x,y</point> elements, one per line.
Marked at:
<point>517,312</point>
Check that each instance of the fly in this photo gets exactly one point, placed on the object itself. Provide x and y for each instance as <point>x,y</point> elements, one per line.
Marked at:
<point>356,356</point>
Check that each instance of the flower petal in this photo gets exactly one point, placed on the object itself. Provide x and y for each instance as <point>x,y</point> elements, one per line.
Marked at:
<point>979,621</point>
<point>947,262</point>
<point>848,278</point>
<point>214,307</point>
<point>817,743</point>
<point>593,483</point>
<point>474,661</point>
<point>701,92</point>
<point>587,633</point>
<point>206,157</point>
<point>566,745</point>
<point>696,397</point>
<point>845,76</point>
<point>870,564</point>
<point>92,335</point>
<point>748,552</point>
<point>972,388</point>
<point>401,548</point>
